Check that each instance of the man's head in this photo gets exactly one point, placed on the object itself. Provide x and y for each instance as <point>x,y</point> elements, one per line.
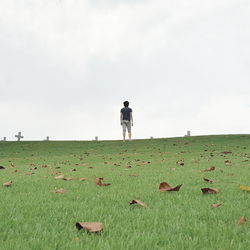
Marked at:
<point>126,103</point>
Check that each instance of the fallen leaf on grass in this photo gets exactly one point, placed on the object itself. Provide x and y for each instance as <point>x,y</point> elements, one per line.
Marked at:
<point>73,170</point>
<point>59,177</point>
<point>226,152</point>
<point>209,169</point>
<point>242,221</point>
<point>134,175</point>
<point>180,163</point>
<point>138,202</point>
<point>30,173</point>
<point>92,227</point>
<point>145,162</point>
<point>68,179</point>
<point>83,179</point>
<point>7,184</point>
<point>2,167</point>
<point>228,163</point>
<point>59,191</point>
<point>246,188</point>
<point>207,180</point>
<point>98,182</point>
<point>210,190</point>
<point>164,186</point>
<point>218,204</point>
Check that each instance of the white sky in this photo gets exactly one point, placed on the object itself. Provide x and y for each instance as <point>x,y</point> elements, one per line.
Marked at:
<point>66,66</point>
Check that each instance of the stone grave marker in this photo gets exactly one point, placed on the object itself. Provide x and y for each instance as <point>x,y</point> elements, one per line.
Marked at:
<point>19,136</point>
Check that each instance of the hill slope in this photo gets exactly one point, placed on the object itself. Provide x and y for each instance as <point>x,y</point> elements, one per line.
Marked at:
<point>34,217</point>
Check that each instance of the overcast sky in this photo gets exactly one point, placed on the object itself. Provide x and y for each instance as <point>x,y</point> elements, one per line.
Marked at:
<point>66,66</point>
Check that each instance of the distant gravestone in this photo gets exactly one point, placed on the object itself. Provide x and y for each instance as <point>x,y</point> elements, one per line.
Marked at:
<point>4,139</point>
<point>19,136</point>
<point>96,138</point>
<point>151,137</point>
<point>47,138</point>
<point>188,133</point>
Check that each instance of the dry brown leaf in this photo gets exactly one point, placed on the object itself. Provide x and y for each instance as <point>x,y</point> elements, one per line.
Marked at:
<point>83,179</point>
<point>242,221</point>
<point>59,177</point>
<point>69,179</point>
<point>209,169</point>
<point>180,163</point>
<point>218,204</point>
<point>2,167</point>
<point>92,227</point>
<point>98,182</point>
<point>164,186</point>
<point>73,170</point>
<point>138,202</point>
<point>173,169</point>
<point>210,190</point>
<point>7,184</point>
<point>134,175</point>
<point>30,173</point>
<point>59,191</point>
<point>128,167</point>
<point>145,162</point>
<point>228,163</point>
<point>207,180</point>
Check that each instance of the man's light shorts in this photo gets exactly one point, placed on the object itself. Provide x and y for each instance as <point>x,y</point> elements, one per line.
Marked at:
<point>126,124</point>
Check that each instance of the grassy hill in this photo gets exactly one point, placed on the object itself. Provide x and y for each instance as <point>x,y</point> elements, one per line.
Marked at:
<point>34,217</point>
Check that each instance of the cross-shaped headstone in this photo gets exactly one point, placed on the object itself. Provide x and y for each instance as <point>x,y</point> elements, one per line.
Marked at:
<point>19,136</point>
<point>188,133</point>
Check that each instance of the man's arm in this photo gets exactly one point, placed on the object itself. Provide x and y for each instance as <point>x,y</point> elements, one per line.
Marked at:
<point>131,118</point>
<point>121,118</point>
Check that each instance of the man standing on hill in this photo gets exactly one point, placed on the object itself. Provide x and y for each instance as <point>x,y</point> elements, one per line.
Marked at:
<point>126,120</point>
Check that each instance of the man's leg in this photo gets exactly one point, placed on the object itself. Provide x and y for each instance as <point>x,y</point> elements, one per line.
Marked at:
<point>129,130</point>
<point>124,130</point>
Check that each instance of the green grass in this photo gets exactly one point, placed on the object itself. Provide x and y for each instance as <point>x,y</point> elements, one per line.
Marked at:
<point>32,217</point>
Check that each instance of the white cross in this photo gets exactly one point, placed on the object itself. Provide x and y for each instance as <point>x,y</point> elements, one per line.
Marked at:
<point>19,136</point>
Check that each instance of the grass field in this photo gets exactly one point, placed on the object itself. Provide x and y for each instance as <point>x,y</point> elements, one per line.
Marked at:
<point>33,217</point>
